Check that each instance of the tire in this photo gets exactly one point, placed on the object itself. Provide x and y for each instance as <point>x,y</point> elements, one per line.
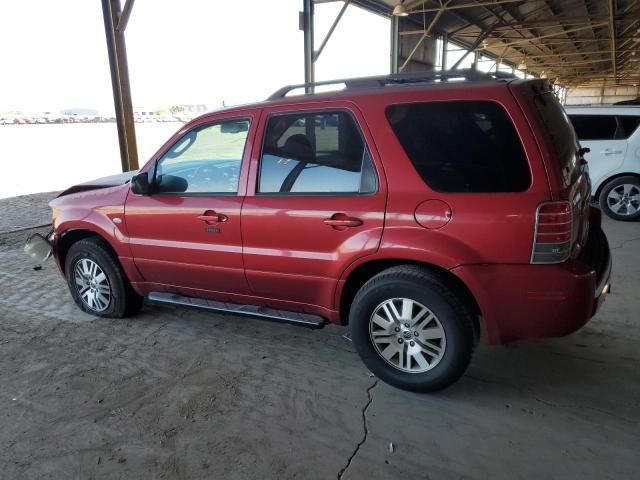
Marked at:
<point>434,362</point>
<point>620,198</point>
<point>97,282</point>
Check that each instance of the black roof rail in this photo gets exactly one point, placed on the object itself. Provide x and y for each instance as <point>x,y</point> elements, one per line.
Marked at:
<point>398,79</point>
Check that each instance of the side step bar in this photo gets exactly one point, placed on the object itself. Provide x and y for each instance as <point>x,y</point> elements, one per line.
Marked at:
<point>301,319</point>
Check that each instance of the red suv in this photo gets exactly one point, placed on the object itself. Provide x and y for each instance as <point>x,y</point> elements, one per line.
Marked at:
<point>417,209</point>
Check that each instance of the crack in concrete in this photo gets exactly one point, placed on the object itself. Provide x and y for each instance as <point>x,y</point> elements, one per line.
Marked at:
<point>365,428</point>
<point>623,243</point>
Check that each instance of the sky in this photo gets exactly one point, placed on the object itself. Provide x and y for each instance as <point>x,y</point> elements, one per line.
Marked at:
<point>54,54</point>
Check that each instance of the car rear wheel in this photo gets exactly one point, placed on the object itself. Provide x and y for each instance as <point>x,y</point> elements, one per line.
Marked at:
<point>97,282</point>
<point>411,330</point>
<point>620,198</point>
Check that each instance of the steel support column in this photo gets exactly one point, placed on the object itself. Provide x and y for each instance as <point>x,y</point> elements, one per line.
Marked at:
<point>425,34</point>
<point>335,23</point>
<point>112,13</point>
<point>612,32</point>
<point>473,46</point>
<point>443,54</point>
<point>395,44</point>
<point>307,28</point>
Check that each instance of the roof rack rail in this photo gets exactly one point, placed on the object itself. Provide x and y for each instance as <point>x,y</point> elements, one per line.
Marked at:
<point>397,79</point>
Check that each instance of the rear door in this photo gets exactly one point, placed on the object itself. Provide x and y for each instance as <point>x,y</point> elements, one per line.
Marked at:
<point>187,233</point>
<point>315,202</point>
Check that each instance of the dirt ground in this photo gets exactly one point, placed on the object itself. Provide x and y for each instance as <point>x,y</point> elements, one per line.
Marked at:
<point>181,394</point>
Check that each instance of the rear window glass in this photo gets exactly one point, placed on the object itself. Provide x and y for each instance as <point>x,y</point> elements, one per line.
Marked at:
<point>462,146</point>
<point>595,127</point>
<point>561,132</point>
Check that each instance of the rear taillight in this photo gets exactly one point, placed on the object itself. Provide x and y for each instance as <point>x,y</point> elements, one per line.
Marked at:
<point>553,233</point>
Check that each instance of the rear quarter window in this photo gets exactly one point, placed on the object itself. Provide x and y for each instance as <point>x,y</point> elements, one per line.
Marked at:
<point>629,124</point>
<point>555,122</point>
<point>463,146</point>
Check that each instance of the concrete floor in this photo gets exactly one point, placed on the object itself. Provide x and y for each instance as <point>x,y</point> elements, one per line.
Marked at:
<point>181,394</point>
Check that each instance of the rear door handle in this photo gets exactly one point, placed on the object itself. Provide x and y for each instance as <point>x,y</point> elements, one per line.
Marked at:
<point>342,220</point>
<point>210,216</point>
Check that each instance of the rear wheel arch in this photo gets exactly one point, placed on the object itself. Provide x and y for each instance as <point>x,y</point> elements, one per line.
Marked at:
<point>363,273</point>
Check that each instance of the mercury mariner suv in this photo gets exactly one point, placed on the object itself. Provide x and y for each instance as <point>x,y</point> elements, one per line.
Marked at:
<point>419,209</point>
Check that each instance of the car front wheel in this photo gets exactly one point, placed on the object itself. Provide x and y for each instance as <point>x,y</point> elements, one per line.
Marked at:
<point>97,282</point>
<point>411,330</point>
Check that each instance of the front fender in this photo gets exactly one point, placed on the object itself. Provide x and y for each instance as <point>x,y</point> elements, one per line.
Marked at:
<point>98,211</point>
<point>98,222</point>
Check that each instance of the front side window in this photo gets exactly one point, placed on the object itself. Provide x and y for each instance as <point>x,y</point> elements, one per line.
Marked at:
<point>462,146</point>
<point>205,160</point>
<point>315,153</point>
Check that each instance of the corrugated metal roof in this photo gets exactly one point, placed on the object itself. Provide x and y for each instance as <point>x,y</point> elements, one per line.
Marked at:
<point>579,42</point>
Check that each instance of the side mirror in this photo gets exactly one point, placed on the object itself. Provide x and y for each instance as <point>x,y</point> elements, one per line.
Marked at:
<point>171,184</point>
<point>140,184</point>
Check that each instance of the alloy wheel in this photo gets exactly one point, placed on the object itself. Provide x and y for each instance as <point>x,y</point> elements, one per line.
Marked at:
<point>407,335</point>
<point>92,285</point>
<point>624,199</point>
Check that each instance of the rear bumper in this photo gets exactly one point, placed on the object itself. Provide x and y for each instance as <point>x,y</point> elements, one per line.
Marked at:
<point>521,302</point>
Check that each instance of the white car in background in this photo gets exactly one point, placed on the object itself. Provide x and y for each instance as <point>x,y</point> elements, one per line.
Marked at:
<point>612,133</point>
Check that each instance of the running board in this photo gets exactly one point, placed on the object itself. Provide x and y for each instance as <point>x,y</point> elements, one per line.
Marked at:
<point>301,319</point>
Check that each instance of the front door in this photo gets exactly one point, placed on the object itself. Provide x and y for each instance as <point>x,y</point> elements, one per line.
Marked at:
<point>315,203</point>
<point>187,232</point>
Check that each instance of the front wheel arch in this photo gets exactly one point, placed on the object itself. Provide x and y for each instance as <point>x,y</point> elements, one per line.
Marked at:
<point>69,237</point>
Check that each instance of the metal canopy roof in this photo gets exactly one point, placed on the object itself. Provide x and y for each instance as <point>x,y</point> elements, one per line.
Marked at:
<point>579,42</point>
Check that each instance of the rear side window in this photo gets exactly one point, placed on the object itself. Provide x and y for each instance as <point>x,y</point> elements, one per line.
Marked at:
<point>315,153</point>
<point>462,146</point>
<point>556,123</point>
<point>629,124</point>
<point>595,127</point>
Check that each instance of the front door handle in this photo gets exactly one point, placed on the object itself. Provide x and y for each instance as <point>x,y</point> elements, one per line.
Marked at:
<point>210,216</point>
<point>611,151</point>
<point>342,221</point>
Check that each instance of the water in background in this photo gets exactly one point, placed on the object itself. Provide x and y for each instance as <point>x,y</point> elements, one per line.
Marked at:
<point>41,158</point>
